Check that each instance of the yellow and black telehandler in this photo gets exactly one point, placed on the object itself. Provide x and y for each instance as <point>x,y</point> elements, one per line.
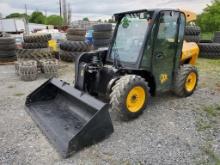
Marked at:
<point>147,55</point>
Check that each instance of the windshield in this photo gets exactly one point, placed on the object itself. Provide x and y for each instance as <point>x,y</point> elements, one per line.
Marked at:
<point>130,37</point>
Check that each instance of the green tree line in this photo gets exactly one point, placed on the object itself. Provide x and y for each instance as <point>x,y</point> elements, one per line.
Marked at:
<point>209,19</point>
<point>39,17</point>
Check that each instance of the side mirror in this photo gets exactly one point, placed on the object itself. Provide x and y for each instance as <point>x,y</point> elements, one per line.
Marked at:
<point>142,15</point>
<point>113,18</point>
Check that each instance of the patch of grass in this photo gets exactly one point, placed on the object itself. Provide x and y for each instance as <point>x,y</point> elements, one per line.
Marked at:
<point>212,111</point>
<point>208,118</point>
<point>209,73</point>
<point>207,122</point>
<point>202,125</point>
<point>18,94</point>
<point>213,158</point>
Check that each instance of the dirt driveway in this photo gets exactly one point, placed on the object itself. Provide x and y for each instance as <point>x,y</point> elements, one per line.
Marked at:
<point>170,131</point>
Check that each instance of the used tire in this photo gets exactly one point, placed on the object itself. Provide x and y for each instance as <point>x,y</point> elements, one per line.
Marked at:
<point>102,35</point>
<point>192,38</point>
<point>101,43</point>
<point>209,47</point>
<point>28,70</point>
<point>7,54</point>
<point>35,45</point>
<point>76,46</point>
<point>205,41</point>
<point>34,54</point>
<point>24,53</point>
<point>75,38</point>
<point>9,59</point>
<point>129,96</point>
<point>37,38</point>
<point>49,68</point>
<point>210,55</point>
<point>216,39</point>
<point>102,27</point>
<point>7,41</point>
<point>192,30</point>
<point>68,56</point>
<point>186,81</point>
<point>217,34</point>
<point>8,47</point>
<point>76,31</point>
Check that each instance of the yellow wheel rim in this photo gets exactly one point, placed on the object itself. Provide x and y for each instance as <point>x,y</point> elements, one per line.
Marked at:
<point>135,99</point>
<point>190,82</point>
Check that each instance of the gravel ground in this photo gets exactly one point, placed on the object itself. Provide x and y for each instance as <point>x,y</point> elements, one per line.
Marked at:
<point>170,131</point>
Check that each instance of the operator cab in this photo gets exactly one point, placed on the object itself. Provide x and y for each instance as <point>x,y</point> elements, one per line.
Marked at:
<point>144,34</point>
<point>131,33</point>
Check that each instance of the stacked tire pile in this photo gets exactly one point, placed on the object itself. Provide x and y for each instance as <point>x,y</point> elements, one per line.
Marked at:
<point>76,34</point>
<point>69,50</point>
<point>7,49</point>
<point>35,57</point>
<point>74,46</point>
<point>102,35</point>
<point>210,48</point>
<point>217,37</point>
<point>192,34</point>
<point>27,70</point>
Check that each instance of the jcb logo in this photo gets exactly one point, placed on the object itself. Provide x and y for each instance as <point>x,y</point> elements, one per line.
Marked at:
<point>163,78</point>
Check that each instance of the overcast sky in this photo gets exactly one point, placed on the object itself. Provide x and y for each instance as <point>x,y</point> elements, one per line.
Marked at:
<point>98,9</point>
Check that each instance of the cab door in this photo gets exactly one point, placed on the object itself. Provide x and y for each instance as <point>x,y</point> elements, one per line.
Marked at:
<point>165,49</point>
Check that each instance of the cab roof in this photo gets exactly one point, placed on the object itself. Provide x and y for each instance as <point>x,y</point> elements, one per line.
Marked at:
<point>145,10</point>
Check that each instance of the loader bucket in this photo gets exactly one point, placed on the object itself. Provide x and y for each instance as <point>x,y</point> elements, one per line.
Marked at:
<point>68,117</point>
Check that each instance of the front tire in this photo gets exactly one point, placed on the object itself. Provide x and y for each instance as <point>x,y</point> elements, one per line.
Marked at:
<point>129,96</point>
<point>186,81</point>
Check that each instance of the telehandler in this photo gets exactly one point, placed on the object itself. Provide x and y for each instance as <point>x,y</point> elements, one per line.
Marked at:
<point>147,55</point>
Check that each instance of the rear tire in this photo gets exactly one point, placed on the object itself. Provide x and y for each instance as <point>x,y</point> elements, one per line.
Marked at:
<point>186,81</point>
<point>129,96</point>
